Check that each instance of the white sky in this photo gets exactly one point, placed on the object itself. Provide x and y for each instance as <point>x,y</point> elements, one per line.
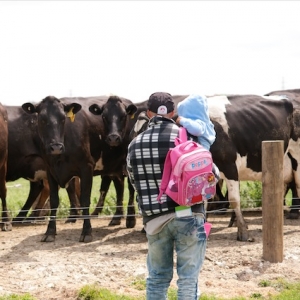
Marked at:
<point>135,48</point>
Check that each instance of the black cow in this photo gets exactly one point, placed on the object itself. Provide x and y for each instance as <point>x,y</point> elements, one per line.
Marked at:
<point>114,152</point>
<point>114,136</point>
<point>23,158</point>
<point>70,146</point>
<point>5,224</point>
<point>25,161</point>
<point>50,122</point>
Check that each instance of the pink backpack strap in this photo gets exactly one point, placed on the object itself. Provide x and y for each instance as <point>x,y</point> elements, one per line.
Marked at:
<point>182,137</point>
<point>165,177</point>
<point>183,134</point>
<point>168,166</point>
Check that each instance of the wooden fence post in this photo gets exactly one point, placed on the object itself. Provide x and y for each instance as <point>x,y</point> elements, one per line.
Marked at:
<point>272,200</point>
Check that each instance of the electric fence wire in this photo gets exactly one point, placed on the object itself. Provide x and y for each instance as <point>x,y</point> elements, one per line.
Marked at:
<point>35,214</point>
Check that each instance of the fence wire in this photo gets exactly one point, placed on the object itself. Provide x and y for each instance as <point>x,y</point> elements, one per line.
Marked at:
<point>43,214</point>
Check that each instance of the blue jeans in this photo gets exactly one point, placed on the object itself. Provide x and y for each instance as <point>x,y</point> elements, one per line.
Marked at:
<point>187,236</point>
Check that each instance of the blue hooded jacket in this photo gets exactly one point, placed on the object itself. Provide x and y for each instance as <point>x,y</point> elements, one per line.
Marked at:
<point>194,116</point>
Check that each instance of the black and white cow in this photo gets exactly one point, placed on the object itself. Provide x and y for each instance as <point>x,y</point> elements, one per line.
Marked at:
<point>70,146</point>
<point>242,122</point>
<point>293,150</point>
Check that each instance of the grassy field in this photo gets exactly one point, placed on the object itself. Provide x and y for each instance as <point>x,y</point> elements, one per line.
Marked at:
<point>17,192</point>
<point>286,291</point>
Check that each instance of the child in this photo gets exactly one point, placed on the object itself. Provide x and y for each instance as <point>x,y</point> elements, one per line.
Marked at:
<point>194,117</point>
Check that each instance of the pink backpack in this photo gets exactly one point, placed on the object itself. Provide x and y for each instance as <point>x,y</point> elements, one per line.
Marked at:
<point>187,175</point>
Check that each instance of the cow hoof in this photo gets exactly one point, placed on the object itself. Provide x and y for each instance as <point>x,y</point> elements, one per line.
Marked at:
<point>85,238</point>
<point>293,216</point>
<point>115,222</point>
<point>242,237</point>
<point>48,238</point>
<point>130,222</point>
<point>6,226</point>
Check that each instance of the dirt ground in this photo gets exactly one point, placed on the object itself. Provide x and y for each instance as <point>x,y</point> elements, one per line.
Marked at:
<point>116,257</point>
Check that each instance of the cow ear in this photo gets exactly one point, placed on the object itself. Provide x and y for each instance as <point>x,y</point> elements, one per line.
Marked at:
<point>71,110</point>
<point>29,108</point>
<point>131,110</point>
<point>95,109</point>
<point>74,107</point>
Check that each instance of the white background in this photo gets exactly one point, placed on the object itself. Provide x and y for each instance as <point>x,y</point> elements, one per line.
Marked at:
<point>135,48</point>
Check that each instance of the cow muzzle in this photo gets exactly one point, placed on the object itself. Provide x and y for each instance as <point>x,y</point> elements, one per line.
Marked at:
<point>113,140</point>
<point>56,148</point>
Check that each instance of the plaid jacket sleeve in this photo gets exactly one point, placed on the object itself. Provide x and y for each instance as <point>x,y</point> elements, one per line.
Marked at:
<point>129,168</point>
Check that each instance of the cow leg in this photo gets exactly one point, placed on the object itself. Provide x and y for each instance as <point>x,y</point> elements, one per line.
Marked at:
<point>105,183</point>
<point>219,204</point>
<point>50,234</point>
<point>41,206</point>
<point>34,192</point>
<point>130,219</point>
<point>86,182</point>
<point>293,178</point>
<point>6,222</point>
<point>294,212</point>
<point>119,186</point>
<point>234,199</point>
<point>232,219</point>
<point>73,190</point>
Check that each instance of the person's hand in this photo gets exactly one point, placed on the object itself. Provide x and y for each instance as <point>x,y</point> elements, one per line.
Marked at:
<point>178,121</point>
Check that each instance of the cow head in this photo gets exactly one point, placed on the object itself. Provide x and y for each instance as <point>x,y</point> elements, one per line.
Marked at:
<point>115,114</point>
<point>140,125</point>
<point>52,114</point>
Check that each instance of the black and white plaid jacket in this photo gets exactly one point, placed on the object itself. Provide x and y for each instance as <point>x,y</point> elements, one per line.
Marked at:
<point>145,161</point>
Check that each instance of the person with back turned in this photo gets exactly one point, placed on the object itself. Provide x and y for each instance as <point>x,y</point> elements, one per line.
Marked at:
<point>169,227</point>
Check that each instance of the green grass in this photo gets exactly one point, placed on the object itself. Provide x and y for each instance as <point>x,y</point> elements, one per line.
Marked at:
<point>93,292</point>
<point>18,297</point>
<point>17,193</point>
<point>286,291</point>
<point>251,194</point>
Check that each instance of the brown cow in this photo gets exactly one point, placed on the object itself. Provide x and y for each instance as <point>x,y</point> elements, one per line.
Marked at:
<point>5,224</point>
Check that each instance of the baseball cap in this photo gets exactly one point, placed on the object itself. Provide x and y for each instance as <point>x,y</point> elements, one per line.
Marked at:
<point>161,103</point>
